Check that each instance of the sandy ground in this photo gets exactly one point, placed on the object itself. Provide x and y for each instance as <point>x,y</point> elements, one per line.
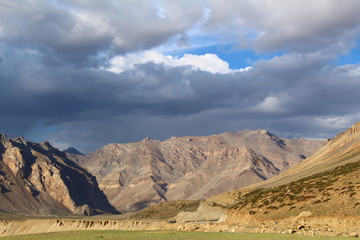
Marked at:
<point>304,225</point>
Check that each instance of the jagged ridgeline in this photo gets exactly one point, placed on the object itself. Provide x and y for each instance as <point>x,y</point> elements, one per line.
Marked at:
<point>137,175</point>
<point>39,179</point>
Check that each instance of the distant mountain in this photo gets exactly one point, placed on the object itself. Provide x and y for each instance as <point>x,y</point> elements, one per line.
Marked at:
<point>326,186</point>
<point>39,179</point>
<point>72,150</point>
<point>136,175</point>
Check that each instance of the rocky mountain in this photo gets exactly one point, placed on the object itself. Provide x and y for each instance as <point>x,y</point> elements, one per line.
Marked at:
<point>322,191</point>
<point>136,175</point>
<point>72,150</point>
<point>39,179</point>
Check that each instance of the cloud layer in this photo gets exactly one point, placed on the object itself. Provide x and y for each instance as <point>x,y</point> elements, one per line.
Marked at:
<point>86,73</point>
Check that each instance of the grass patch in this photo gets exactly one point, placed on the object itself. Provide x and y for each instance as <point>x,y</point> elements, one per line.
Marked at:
<point>160,235</point>
<point>301,190</point>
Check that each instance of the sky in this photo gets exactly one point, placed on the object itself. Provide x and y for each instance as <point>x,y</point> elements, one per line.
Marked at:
<point>86,73</point>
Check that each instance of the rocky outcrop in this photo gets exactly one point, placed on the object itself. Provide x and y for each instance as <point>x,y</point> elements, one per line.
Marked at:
<point>136,175</point>
<point>39,179</point>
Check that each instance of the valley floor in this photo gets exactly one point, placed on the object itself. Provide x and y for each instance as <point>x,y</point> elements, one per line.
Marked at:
<point>308,226</point>
<point>162,235</point>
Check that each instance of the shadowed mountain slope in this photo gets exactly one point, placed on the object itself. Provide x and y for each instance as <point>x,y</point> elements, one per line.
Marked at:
<point>39,179</point>
<point>72,150</point>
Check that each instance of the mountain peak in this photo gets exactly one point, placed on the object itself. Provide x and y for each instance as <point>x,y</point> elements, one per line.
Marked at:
<point>266,132</point>
<point>73,150</point>
<point>353,131</point>
<point>46,145</point>
<point>146,139</point>
<point>263,131</point>
<point>20,140</point>
<point>3,138</point>
<point>355,128</point>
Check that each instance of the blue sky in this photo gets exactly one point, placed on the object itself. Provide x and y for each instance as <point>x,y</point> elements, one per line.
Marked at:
<point>88,73</point>
<point>351,57</point>
<point>235,57</point>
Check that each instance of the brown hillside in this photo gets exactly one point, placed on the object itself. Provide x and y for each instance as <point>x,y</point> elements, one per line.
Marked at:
<point>325,184</point>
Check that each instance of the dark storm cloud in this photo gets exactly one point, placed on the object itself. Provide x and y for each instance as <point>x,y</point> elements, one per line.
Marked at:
<point>308,86</point>
<point>54,82</point>
<point>82,31</point>
<point>61,94</point>
<point>177,100</point>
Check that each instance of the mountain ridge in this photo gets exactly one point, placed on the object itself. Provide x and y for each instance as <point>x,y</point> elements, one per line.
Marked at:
<point>327,184</point>
<point>139,174</point>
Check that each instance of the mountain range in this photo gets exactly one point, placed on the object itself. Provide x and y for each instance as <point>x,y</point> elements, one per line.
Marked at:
<point>319,195</point>
<point>136,175</point>
<point>310,187</point>
<point>36,178</point>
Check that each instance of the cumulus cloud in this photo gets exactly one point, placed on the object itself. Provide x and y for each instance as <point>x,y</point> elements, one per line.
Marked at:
<point>270,104</point>
<point>61,146</point>
<point>78,30</point>
<point>118,106</point>
<point>305,25</point>
<point>207,62</point>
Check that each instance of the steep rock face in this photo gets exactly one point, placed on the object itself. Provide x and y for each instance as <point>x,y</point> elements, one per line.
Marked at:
<point>136,175</point>
<point>37,178</point>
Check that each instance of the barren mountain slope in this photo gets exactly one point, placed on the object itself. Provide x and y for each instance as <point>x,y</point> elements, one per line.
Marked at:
<point>327,184</point>
<point>136,175</point>
<point>343,149</point>
<point>39,179</point>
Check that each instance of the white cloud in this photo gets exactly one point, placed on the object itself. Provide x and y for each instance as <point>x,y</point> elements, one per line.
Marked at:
<point>60,145</point>
<point>352,70</point>
<point>207,62</point>
<point>301,25</point>
<point>337,122</point>
<point>270,104</point>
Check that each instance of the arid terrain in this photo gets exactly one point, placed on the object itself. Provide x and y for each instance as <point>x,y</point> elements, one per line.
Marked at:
<point>181,117</point>
<point>321,195</point>
<point>136,175</point>
<point>318,196</point>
